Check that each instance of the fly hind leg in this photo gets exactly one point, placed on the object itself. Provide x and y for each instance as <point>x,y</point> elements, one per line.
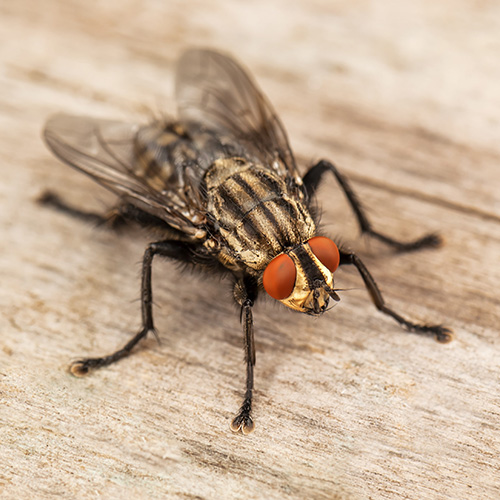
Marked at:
<point>173,249</point>
<point>114,219</point>
<point>313,178</point>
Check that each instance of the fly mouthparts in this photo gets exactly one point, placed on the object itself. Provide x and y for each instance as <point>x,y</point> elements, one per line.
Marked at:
<point>332,293</point>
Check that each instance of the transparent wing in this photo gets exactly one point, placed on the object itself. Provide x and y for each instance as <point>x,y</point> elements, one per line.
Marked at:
<point>212,89</point>
<point>104,150</point>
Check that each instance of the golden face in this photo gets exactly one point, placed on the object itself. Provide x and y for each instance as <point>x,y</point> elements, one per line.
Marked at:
<point>302,298</point>
<point>302,279</point>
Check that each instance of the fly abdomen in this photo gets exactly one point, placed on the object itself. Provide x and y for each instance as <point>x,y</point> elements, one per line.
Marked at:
<point>255,215</point>
<point>153,147</point>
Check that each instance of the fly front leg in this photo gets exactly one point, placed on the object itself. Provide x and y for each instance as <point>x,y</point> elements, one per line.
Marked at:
<point>441,333</point>
<point>313,178</point>
<point>173,249</point>
<point>245,294</point>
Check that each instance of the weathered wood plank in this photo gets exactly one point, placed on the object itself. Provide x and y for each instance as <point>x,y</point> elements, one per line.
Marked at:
<point>404,97</point>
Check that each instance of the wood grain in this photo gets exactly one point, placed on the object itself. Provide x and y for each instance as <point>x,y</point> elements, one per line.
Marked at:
<point>403,96</point>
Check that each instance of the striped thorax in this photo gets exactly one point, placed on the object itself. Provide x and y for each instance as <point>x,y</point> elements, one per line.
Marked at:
<point>254,214</point>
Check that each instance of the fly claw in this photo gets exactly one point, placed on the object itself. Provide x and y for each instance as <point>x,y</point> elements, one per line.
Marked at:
<point>221,186</point>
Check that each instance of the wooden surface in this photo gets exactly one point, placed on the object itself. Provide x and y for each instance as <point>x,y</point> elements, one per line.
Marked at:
<point>404,96</point>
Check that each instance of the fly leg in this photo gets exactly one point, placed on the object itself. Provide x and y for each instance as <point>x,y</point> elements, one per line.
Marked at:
<point>312,180</point>
<point>114,219</point>
<point>173,249</point>
<point>441,333</point>
<point>245,294</point>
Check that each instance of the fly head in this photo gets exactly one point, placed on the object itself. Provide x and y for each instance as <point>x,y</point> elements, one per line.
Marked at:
<point>302,278</point>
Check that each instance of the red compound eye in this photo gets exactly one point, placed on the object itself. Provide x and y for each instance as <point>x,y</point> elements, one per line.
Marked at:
<point>326,251</point>
<point>279,277</point>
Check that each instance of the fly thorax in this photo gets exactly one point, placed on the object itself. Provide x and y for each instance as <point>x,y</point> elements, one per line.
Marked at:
<point>254,212</point>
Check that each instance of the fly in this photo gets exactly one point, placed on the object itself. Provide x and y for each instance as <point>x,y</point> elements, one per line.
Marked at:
<point>221,186</point>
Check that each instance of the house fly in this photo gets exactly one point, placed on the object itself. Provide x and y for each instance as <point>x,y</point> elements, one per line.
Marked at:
<point>221,186</point>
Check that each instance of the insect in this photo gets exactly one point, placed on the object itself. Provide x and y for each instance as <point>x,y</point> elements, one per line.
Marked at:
<point>221,186</point>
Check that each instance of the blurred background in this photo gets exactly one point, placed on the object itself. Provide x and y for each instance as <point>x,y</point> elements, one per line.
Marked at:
<point>404,98</point>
